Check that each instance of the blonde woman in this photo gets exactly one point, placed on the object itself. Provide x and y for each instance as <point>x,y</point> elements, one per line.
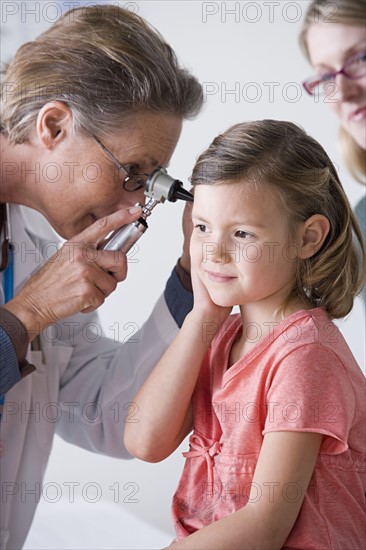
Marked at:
<point>88,110</point>
<point>333,39</point>
<point>273,395</point>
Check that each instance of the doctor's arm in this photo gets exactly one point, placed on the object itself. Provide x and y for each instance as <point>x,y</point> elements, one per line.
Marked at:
<point>69,282</point>
<point>13,349</point>
<point>77,278</point>
<point>102,378</point>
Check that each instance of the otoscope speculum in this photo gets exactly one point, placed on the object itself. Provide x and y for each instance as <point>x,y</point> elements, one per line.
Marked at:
<point>160,186</point>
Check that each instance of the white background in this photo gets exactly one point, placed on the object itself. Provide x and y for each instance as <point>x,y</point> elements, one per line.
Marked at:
<point>247,56</point>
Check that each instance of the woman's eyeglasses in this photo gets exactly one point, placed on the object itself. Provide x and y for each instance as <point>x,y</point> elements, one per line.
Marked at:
<point>354,68</point>
<point>132,181</point>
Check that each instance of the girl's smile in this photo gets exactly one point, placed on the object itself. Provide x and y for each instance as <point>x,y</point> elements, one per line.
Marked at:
<point>238,246</point>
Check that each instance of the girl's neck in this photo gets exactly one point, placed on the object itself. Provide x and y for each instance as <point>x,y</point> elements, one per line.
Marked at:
<point>257,325</point>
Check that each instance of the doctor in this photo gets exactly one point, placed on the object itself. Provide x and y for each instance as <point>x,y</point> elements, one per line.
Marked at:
<point>87,111</point>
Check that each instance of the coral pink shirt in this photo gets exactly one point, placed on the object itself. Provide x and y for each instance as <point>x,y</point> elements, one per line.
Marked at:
<point>300,377</point>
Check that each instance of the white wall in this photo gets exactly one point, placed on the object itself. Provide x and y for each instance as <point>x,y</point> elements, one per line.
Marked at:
<point>247,57</point>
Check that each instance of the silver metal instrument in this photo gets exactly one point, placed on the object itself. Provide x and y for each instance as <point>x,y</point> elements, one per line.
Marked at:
<point>160,186</point>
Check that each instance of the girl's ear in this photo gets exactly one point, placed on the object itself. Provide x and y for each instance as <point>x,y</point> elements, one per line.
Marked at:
<point>314,232</point>
<point>54,123</point>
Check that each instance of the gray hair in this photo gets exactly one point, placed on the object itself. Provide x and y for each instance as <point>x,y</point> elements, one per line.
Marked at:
<point>105,63</point>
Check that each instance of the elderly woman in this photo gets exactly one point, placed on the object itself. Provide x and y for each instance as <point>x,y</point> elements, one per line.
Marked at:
<point>334,41</point>
<point>87,111</point>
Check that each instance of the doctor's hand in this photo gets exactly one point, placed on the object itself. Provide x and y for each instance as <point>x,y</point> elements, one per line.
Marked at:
<point>76,279</point>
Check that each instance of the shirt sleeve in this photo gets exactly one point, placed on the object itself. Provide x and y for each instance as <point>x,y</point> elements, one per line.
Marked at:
<point>13,347</point>
<point>9,368</point>
<point>178,299</point>
<point>311,392</point>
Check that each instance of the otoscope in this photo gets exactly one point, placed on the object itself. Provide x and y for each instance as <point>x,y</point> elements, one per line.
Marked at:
<point>159,187</point>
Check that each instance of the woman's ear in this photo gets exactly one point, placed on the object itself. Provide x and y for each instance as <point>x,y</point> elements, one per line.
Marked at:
<point>314,232</point>
<point>54,122</point>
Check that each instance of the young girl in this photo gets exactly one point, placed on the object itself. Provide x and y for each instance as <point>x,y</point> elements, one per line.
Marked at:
<point>274,396</point>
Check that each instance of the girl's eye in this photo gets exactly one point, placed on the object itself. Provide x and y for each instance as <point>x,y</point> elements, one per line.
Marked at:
<point>202,228</point>
<point>242,234</point>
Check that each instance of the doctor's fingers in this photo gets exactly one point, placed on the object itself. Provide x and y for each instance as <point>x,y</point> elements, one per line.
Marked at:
<point>113,262</point>
<point>99,230</point>
<point>80,259</point>
<point>76,278</point>
<point>108,268</point>
<point>72,289</point>
<point>63,286</point>
<point>93,275</point>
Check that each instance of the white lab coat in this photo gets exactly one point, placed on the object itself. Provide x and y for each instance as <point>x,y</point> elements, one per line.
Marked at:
<point>81,389</point>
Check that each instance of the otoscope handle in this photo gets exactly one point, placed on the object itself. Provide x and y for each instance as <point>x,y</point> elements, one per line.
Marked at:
<point>124,238</point>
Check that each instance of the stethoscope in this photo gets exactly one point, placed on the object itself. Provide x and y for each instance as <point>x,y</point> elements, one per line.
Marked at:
<point>7,261</point>
<point>7,255</point>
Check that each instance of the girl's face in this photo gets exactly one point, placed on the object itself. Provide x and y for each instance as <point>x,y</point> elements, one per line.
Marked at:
<point>241,247</point>
<point>330,46</point>
<point>90,186</point>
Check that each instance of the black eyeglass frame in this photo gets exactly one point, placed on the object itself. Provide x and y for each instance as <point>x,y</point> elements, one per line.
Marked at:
<point>141,181</point>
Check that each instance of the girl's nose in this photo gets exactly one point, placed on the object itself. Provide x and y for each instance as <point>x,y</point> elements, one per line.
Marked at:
<point>222,252</point>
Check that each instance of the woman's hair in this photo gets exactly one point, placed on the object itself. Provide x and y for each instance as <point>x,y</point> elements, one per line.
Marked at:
<point>105,63</point>
<point>345,12</point>
<point>282,157</point>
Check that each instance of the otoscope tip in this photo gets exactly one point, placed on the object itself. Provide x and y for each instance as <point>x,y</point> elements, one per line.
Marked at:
<point>183,194</point>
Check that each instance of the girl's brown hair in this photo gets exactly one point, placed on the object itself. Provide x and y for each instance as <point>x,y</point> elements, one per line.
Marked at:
<point>104,62</point>
<point>345,12</point>
<point>281,156</point>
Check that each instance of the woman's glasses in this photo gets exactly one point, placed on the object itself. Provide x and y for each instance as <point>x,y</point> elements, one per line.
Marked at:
<point>132,180</point>
<point>354,68</point>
